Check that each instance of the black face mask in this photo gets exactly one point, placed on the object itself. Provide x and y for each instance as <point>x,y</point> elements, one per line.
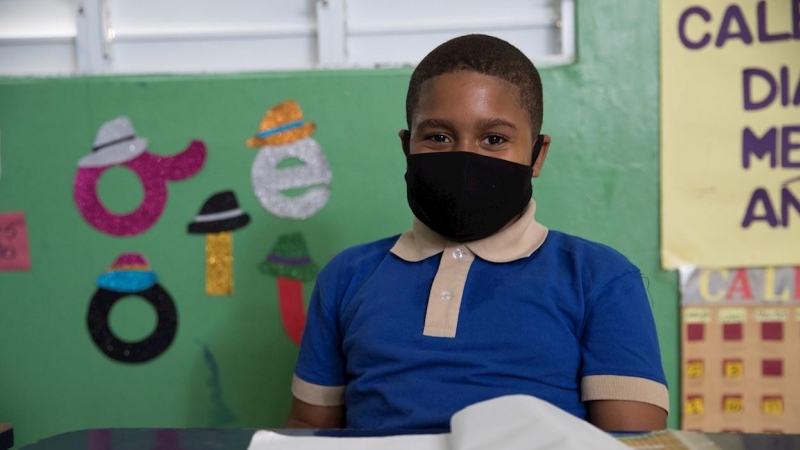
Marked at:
<point>465,196</point>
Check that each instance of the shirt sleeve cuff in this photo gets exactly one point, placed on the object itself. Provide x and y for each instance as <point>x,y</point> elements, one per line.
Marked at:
<point>316,394</point>
<point>617,387</point>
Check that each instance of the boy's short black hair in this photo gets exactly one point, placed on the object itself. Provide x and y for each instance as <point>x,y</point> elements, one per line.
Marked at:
<point>483,54</point>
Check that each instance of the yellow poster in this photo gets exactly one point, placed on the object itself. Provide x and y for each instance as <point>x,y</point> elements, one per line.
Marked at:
<point>730,133</point>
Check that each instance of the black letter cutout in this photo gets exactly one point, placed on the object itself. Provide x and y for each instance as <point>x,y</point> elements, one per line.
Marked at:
<point>132,352</point>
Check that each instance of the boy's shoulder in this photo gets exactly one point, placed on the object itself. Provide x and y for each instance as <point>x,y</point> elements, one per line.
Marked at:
<point>588,255</point>
<point>593,267</point>
<point>360,258</point>
<point>363,253</point>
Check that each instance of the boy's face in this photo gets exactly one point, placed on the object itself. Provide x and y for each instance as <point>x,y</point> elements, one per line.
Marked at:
<point>473,112</point>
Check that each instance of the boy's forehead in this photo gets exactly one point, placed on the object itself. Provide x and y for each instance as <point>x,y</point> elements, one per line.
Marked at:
<point>466,79</point>
<point>465,92</point>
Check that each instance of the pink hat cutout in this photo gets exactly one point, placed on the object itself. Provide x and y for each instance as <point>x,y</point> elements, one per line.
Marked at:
<point>130,261</point>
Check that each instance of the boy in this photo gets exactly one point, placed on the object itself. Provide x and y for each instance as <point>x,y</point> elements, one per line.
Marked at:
<point>479,300</point>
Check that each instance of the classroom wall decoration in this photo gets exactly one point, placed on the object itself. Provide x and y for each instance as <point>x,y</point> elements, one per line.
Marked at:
<point>284,135</point>
<point>130,274</point>
<point>290,263</point>
<point>218,218</point>
<point>730,133</point>
<point>14,251</point>
<point>741,350</point>
<point>117,144</point>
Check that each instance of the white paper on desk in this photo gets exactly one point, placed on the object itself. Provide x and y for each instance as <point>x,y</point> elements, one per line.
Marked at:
<point>515,422</point>
<point>268,440</point>
<point>522,422</point>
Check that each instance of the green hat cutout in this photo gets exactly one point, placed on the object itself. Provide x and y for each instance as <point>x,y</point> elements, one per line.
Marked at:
<point>289,259</point>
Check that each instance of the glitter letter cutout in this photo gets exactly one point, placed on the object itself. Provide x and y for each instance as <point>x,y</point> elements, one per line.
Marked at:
<point>284,134</point>
<point>130,275</point>
<point>290,263</point>
<point>116,144</point>
<point>218,217</point>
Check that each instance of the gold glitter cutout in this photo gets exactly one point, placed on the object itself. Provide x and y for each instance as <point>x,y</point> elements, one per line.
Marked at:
<point>219,263</point>
<point>277,116</point>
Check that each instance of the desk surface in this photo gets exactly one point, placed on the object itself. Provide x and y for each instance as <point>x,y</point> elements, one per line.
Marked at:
<point>175,439</point>
<point>239,439</point>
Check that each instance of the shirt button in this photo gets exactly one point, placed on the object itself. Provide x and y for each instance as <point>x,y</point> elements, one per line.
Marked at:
<point>446,295</point>
<point>458,253</point>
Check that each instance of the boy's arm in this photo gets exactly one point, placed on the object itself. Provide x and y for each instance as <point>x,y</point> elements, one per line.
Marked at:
<point>306,415</point>
<point>621,415</point>
<point>319,381</point>
<point>622,380</point>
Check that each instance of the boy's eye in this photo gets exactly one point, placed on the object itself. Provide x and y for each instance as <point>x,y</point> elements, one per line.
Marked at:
<point>494,140</point>
<point>438,137</point>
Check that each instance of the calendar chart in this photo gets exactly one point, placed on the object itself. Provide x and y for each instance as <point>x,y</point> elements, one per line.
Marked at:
<point>740,350</point>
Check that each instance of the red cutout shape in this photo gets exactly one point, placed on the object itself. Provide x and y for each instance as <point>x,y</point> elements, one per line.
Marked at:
<point>290,299</point>
<point>772,367</point>
<point>695,331</point>
<point>772,331</point>
<point>732,332</point>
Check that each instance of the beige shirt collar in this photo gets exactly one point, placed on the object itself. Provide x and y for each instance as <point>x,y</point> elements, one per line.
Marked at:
<point>518,240</point>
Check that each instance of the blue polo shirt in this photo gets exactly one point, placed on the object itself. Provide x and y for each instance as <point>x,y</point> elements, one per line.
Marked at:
<point>408,330</point>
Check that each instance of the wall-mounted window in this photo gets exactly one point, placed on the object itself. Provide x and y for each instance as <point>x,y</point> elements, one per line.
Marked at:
<point>64,37</point>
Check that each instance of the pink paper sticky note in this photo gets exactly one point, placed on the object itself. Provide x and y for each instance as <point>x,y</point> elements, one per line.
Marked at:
<point>14,252</point>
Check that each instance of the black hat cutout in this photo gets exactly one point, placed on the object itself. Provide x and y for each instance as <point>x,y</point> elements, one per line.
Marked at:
<point>219,213</point>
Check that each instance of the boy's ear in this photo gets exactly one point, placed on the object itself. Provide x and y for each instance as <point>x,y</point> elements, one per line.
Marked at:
<point>405,140</point>
<point>543,144</point>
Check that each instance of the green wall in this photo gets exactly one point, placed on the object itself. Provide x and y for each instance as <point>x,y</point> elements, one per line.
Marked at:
<point>600,182</point>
